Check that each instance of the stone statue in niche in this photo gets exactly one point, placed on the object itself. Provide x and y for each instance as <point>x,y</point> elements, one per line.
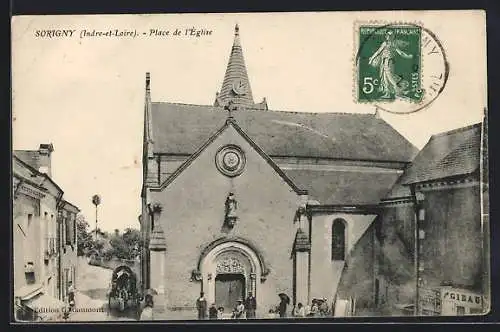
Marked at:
<point>231,207</point>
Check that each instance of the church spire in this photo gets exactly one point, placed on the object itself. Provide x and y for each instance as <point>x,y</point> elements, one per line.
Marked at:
<point>236,85</point>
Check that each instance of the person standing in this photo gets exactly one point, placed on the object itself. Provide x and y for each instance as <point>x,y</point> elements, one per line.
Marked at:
<point>250,305</point>
<point>300,311</point>
<point>323,308</point>
<point>201,306</point>
<point>71,294</point>
<point>212,312</point>
<point>314,309</point>
<point>147,311</point>
<point>282,308</point>
<point>220,313</point>
<point>240,310</point>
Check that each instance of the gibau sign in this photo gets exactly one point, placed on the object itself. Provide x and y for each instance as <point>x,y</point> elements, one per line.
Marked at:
<point>462,298</point>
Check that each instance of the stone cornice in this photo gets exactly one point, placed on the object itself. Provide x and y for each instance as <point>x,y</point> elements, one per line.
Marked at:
<point>450,183</point>
<point>350,209</point>
<point>397,201</point>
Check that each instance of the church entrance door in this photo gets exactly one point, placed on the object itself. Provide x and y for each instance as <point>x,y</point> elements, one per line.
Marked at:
<point>229,288</point>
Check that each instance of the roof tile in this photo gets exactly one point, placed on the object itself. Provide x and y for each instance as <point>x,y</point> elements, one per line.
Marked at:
<point>344,187</point>
<point>183,128</point>
<point>448,154</point>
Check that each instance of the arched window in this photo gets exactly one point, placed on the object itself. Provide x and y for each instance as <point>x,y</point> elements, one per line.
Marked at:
<point>338,240</point>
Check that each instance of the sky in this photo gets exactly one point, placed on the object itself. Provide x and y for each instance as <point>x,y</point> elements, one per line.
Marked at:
<point>86,95</point>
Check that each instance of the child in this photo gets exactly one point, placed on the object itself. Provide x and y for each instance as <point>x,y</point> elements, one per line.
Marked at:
<point>220,313</point>
<point>212,312</point>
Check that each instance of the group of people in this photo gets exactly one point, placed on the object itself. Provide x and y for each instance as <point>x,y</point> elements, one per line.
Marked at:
<point>318,308</point>
<point>246,309</point>
<point>242,310</point>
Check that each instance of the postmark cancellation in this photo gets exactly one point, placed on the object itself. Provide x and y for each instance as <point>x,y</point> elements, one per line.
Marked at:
<point>399,67</point>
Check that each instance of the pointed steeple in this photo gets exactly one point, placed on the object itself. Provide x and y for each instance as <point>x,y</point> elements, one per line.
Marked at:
<point>236,85</point>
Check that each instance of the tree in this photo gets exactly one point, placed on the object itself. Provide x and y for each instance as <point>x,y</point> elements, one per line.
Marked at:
<point>132,238</point>
<point>126,245</point>
<point>85,242</point>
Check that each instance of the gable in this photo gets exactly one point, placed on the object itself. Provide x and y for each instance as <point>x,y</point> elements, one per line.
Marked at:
<point>40,179</point>
<point>182,129</point>
<point>236,134</point>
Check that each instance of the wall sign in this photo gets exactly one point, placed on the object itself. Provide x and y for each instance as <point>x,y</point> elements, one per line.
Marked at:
<point>26,189</point>
<point>230,160</point>
<point>462,298</point>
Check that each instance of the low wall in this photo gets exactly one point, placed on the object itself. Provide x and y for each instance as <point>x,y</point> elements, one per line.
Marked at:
<point>113,263</point>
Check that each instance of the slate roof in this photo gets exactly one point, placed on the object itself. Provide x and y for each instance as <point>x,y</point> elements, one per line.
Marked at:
<point>30,157</point>
<point>344,187</point>
<point>23,170</point>
<point>183,128</point>
<point>448,154</point>
<point>398,190</point>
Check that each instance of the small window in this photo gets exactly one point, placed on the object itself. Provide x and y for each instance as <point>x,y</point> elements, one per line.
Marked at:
<point>460,311</point>
<point>338,240</point>
<point>68,229</point>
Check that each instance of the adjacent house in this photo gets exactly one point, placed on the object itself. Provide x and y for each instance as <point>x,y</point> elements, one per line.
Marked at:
<point>40,251</point>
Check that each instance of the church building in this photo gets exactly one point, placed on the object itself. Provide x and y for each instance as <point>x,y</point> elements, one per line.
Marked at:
<point>240,198</point>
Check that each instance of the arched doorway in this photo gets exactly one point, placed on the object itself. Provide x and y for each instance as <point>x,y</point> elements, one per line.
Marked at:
<point>230,271</point>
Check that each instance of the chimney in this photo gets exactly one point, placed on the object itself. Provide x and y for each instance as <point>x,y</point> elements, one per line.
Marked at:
<point>44,158</point>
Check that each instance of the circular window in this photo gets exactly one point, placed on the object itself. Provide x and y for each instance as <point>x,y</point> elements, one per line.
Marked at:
<point>230,160</point>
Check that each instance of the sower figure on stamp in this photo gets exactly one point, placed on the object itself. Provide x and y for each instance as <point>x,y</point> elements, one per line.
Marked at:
<point>250,305</point>
<point>201,306</point>
<point>384,58</point>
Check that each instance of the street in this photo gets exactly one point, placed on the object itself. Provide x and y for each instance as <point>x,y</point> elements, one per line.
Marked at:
<point>91,302</point>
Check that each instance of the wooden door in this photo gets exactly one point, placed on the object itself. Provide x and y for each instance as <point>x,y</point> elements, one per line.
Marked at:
<point>229,288</point>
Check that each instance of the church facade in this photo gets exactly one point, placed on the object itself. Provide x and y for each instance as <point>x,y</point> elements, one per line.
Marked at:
<point>239,198</point>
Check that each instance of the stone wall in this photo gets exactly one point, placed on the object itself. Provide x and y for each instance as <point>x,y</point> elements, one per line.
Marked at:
<point>193,216</point>
<point>395,269</point>
<point>326,275</point>
<point>452,248</point>
<point>26,239</point>
<point>358,276</point>
<point>113,263</point>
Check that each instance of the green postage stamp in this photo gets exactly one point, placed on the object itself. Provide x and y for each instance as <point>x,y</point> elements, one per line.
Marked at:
<point>389,63</point>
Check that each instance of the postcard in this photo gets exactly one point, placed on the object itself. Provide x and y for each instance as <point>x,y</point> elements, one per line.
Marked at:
<point>249,166</point>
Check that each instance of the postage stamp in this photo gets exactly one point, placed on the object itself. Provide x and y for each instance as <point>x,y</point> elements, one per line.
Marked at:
<point>389,63</point>
<point>399,67</point>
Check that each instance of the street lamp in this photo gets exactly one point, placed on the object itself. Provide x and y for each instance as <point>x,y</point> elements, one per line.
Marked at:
<point>96,200</point>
